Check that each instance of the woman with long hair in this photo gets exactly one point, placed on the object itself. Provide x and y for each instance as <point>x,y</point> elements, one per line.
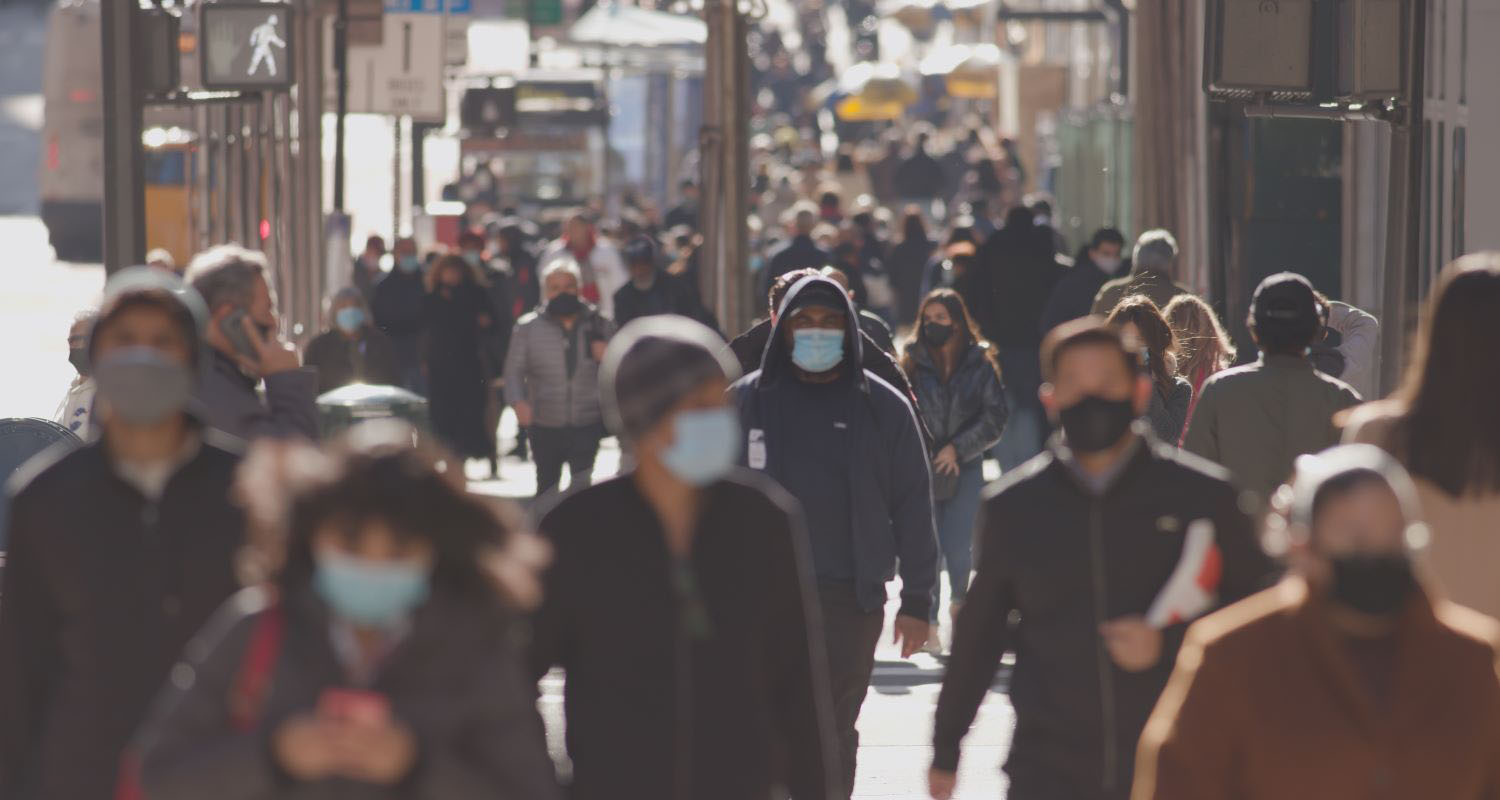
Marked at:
<point>376,656</point>
<point>1442,425</point>
<point>1203,348</point>
<point>1171,395</point>
<point>956,377</point>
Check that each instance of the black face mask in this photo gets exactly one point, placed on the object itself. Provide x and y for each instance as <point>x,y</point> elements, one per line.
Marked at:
<point>564,305</point>
<point>1378,585</point>
<point>79,358</point>
<point>935,334</point>
<point>1094,423</point>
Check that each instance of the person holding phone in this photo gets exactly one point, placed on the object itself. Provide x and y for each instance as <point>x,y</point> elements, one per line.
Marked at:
<point>247,349</point>
<point>959,395</point>
<point>379,660</point>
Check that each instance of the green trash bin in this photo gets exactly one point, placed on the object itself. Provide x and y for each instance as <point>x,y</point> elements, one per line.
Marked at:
<point>346,406</point>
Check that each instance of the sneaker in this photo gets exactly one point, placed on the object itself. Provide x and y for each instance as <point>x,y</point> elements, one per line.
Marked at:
<point>934,645</point>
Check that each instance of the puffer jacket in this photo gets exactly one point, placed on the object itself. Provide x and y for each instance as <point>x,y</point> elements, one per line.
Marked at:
<point>969,410</point>
<point>536,369</point>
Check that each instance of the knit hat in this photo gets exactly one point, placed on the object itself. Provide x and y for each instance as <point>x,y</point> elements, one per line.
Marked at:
<point>652,364</point>
<point>1315,474</point>
<point>130,286</point>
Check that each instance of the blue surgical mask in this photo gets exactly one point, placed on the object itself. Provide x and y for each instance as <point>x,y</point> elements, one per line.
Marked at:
<point>349,319</point>
<point>817,349</point>
<point>472,257</point>
<point>408,263</point>
<point>705,445</point>
<point>369,592</point>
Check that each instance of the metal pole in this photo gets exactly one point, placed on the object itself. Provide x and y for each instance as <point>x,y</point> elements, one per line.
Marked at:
<point>725,164</point>
<point>341,67</point>
<point>418,165</point>
<point>124,163</point>
<point>1403,241</point>
<point>396,179</point>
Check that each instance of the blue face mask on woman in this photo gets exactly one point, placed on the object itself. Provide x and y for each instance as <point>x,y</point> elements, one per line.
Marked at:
<point>817,349</point>
<point>369,592</point>
<point>349,319</point>
<point>705,444</point>
<point>408,263</point>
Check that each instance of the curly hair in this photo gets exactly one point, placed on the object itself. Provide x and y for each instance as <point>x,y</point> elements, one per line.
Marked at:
<point>1205,347</point>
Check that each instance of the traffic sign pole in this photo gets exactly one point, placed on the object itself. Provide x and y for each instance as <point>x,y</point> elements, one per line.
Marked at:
<point>341,68</point>
<point>124,163</point>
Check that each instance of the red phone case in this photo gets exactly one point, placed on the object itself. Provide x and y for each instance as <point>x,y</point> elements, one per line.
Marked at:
<point>354,705</point>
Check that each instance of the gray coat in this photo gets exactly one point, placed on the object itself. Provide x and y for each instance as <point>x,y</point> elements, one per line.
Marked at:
<point>536,369</point>
<point>227,400</point>
<point>455,681</point>
<point>1169,409</point>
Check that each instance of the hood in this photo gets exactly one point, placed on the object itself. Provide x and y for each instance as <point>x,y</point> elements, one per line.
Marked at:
<point>776,362</point>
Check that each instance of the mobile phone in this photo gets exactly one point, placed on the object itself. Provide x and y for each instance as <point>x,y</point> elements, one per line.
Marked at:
<point>233,328</point>
<point>354,705</point>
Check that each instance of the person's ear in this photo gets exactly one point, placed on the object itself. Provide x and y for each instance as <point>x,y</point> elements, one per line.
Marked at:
<point>1048,395</point>
<point>1142,395</point>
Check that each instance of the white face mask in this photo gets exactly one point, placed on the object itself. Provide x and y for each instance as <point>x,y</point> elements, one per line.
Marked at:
<point>1106,264</point>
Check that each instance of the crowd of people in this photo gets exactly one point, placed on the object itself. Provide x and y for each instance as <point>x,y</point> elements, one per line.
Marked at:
<point>1207,560</point>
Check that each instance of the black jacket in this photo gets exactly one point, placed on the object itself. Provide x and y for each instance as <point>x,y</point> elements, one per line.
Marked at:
<point>456,681</point>
<point>1017,271</point>
<point>1068,560</point>
<point>669,294</point>
<point>341,361</point>
<point>1074,293</point>
<point>800,252</point>
<point>968,411</point>
<point>399,304</point>
<point>103,587</point>
<point>666,704</point>
<point>891,491</point>
<point>920,176</point>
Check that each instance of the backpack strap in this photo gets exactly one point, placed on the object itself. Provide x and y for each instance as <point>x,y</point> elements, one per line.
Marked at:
<point>253,682</point>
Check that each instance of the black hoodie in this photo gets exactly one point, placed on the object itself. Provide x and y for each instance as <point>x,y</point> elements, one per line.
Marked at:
<point>890,487</point>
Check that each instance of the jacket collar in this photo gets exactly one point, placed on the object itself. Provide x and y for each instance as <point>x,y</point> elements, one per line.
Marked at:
<point>1139,453</point>
<point>1297,363</point>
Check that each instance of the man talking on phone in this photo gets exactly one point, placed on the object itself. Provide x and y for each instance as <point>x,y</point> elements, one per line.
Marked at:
<point>247,348</point>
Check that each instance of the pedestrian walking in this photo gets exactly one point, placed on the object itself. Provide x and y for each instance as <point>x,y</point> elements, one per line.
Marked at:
<point>1016,270</point>
<point>848,447</point>
<point>919,178</point>
<point>118,551</point>
<point>458,316</point>
<point>908,262</point>
<point>367,271</point>
<point>1357,335</point>
<point>552,379</point>
<point>399,309</point>
<point>246,349</point>
<point>378,658</point>
<point>1106,545</point>
<point>800,251</point>
<point>351,349</point>
<point>76,411</point>
<point>1171,395</point>
<point>1205,349</point>
<point>652,290</point>
<point>750,347</point>
<point>1256,419</point>
<point>1153,273</point>
<point>1351,658</point>
<point>956,375</point>
<point>1441,425</point>
<point>1095,265</point>
<point>596,258</point>
<point>687,626</point>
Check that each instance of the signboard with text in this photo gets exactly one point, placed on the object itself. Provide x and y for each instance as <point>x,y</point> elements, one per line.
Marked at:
<point>403,75</point>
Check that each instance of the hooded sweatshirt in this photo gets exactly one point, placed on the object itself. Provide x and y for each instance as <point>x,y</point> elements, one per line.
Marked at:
<point>873,501</point>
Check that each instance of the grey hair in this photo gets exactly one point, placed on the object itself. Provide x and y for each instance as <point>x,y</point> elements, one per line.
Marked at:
<point>227,274</point>
<point>1155,250</point>
<point>567,265</point>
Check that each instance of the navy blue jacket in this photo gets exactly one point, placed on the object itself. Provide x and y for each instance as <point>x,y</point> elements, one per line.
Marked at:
<point>891,490</point>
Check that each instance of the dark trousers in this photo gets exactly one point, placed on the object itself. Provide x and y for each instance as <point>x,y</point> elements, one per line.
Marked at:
<point>851,634</point>
<point>552,447</point>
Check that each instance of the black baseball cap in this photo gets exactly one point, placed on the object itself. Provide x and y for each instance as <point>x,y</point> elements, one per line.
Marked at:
<point>1286,299</point>
<point>639,250</point>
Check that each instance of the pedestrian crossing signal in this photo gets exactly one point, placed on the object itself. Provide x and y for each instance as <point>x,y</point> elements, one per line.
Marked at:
<point>246,46</point>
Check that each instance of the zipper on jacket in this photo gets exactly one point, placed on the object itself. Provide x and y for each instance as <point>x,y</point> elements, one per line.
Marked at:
<point>1106,676</point>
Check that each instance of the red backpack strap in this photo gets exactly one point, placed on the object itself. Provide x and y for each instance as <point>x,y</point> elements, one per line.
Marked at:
<point>253,682</point>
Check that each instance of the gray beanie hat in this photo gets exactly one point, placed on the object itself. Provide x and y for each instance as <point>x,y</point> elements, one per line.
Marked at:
<point>1318,472</point>
<point>651,364</point>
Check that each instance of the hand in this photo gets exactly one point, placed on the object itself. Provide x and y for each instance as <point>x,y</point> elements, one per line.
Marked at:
<point>596,349</point>
<point>306,748</point>
<point>1134,645</point>
<point>484,320</point>
<point>272,354</point>
<point>946,461</point>
<point>911,633</point>
<point>523,413</point>
<point>381,754</point>
<point>940,783</point>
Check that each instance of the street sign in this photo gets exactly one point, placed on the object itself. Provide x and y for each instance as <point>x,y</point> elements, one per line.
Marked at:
<point>404,75</point>
<point>246,45</point>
